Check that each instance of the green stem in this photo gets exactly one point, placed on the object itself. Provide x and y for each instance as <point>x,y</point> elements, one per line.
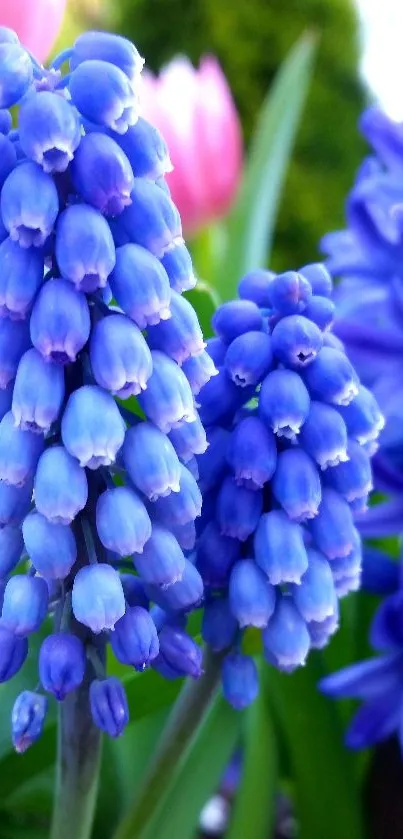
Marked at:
<point>187,713</point>
<point>78,765</point>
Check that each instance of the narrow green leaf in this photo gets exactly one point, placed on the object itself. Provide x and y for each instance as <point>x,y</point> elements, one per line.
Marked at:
<point>253,813</point>
<point>252,221</point>
<point>197,776</point>
<point>327,795</point>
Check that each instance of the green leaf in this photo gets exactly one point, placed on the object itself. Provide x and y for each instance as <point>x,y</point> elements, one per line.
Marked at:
<point>197,776</point>
<point>253,813</point>
<point>252,221</point>
<point>327,795</point>
<point>205,301</point>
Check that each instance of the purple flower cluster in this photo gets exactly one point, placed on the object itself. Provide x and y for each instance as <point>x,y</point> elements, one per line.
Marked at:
<point>367,258</point>
<point>100,358</point>
<point>290,432</point>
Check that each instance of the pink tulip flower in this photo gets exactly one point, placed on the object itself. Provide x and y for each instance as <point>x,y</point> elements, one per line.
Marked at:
<point>195,112</point>
<point>36,22</point>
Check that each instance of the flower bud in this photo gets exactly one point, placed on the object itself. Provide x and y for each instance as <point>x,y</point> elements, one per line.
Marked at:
<point>134,591</point>
<point>240,681</point>
<point>219,399</point>
<point>151,461</point>
<point>319,278</point>
<point>255,286</point>
<point>290,293</point>
<point>92,428</point>
<point>27,719</point>
<point>181,507</point>
<point>108,705</point>
<point>252,599</point>
<point>25,604</point>
<point>97,597</point>
<point>6,121</point>
<point>296,485</point>
<point>284,402</point>
<point>279,548</point>
<point>296,341</point>
<point>217,350</point>
<point>183,596</point>
<point>213,464</point>
<point>51,547</point>
<point>107,46</point>
<point>29,204</point>
<point>199,369</point>
<point>103,94</point>
<point>38,393</point>
<point>151,220</point>
<point>140,285</point>
<point>180,336</point>
<point>350,565</point>
<point>168,399</point>
<point>219,626</point>
<point>120,359</point>
<point>216,555</point>
<point>14,503</point>
<point>61,488</point>
<point>19,452</point>
<point>314,596</point>
<point>146,150</point>
<point>185,535</point>
<point>13,652</point>
<point>238,509</point>
<point>332,378</point>
<point>49,130</point>
<point>320,632</point>
<point>109,190</point>
<point>180,652</point>
<point>324,435</point>
<point>333,529</point>
<point>20,277</point>
<point>252,453</point>
<point>188,439</point>
<point>362,416</point>
<point>236,317</point>
<point>177,262</point>
<point>123,523</point>
<point>286,638</point>
<point>84,247</point>
<point>353,479</point>
<point>11,547</point>
<point>14,341</point>
<point>321,311</point>
<point>249,358</point>
<point>60,321</point>
<point>61,664</point>
<point>16,72</point>
<point>135,639</point>
<point>162,561</point>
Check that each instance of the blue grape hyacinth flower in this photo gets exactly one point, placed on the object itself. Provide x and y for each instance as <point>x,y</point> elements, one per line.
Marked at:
<point>377,682</point>
<point>98,494</point>
<point>287,467</point>
<point>367,259</point>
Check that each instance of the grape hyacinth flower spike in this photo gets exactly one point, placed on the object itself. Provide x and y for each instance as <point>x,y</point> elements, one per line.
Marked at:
<point>97,496</point>
<point>282,477</point>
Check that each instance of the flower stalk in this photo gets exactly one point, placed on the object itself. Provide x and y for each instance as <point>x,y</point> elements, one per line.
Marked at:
<point>185,718</point>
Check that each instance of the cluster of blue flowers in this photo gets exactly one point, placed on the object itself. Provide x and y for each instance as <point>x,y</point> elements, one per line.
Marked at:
<point>290,432</point>
<point>367,258</point>
<point>100,359</point>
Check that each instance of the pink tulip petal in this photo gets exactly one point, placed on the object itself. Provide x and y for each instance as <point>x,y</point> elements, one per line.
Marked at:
<point>36,22</point>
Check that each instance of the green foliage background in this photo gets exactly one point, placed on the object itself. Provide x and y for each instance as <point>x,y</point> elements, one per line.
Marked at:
<point>251,39</point>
